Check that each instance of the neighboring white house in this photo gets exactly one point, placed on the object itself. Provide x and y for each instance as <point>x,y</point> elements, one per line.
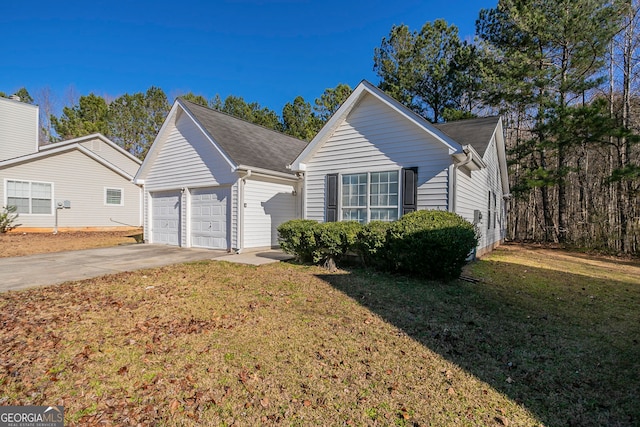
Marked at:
<point>80,184</point>
<point>214,181</point>
<point>376,160</point>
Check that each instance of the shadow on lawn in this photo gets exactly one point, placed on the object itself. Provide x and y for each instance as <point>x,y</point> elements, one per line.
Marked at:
<point>568,356</point>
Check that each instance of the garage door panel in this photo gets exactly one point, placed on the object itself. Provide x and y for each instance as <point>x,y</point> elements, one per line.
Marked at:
<point>209,218</point>
<point>165,222</point>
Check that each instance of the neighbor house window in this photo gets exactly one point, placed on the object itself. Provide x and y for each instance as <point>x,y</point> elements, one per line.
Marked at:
<point>371,196</point>
<point>30,197</point>
<point>113,196</point>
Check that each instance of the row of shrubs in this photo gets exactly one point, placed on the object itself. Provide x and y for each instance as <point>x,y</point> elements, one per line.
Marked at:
<point>430,244</point>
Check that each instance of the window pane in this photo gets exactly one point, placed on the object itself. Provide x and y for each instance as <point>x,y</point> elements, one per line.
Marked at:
<point>41,206</point>
<point>384,214</point>
<point>385,193</point>
<point>114,196</point>
<point>40,190</point>
<point>22,205</point>
<point>359,215</point>
<point>17,189</point>
<point>354,190</point>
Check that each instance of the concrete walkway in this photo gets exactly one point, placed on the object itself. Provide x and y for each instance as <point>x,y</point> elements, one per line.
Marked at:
<point>48,269</point>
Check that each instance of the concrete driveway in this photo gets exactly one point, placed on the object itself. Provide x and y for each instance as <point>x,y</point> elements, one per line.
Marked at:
<point>49,269</point>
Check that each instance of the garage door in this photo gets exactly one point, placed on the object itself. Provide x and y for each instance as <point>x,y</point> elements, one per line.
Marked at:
<point>267,205</point>
<point>209,218</point>
<point>165,220</point>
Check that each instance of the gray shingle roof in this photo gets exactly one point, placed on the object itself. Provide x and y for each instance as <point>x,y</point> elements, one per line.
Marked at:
<point>246,143</point>
<point>474,132</point>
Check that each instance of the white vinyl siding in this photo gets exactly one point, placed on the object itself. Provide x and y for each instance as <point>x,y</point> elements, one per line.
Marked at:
<point>18,129</point>
<point>113,197</point>
<point>267,205</point>
<point>482,190</point>
<point>374,137</point>
<point>188,159</point>
<point>112,155</point>
<point>81,180</point>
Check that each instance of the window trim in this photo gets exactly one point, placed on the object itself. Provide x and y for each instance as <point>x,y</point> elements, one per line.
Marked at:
<point>367,208</point>
<point>6,195</point>
<point>106,200</point>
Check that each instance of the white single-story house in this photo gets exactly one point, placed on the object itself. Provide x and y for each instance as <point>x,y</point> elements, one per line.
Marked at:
<point>376,160</point>
<point>211,180</point>
<point>80,184</point>
<point>214,181</point>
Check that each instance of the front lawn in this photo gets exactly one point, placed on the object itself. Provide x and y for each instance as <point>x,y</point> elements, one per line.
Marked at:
<point>546,337</point>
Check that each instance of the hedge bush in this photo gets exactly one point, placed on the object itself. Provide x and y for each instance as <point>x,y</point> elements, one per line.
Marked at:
<point>315,242</point>
<point>431,244</point>
<point>296,237</point>
<point>372,245</point>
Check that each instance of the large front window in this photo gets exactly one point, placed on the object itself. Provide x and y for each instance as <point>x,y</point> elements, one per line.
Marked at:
<point>370,196</point>
<point>30,197</point>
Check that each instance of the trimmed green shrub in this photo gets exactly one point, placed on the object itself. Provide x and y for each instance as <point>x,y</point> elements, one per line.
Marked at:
<point>296,237</point>
<point>315,242</point>
<point>372,245</point>
<point>431,244</point>
<point>8,217</point>
<point>333,240</point>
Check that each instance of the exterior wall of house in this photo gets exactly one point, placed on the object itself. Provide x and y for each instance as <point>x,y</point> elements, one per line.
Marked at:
<point>267,204</point>
<point>81,180</point>
<point>18,129</point>
<point>112,155</point>
<point>482,190</point>
<point>375,137</point>
<point>188,159</point>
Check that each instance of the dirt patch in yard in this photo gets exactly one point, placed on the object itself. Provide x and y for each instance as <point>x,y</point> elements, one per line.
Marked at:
<point>21,244</point>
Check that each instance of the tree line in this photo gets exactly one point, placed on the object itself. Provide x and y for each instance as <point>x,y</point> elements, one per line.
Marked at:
<point>563,74</point>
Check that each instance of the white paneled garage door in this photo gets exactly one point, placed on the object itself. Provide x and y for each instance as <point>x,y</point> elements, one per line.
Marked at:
<point>267,206</point>
<point>209,218</point>
<point>165,220</point>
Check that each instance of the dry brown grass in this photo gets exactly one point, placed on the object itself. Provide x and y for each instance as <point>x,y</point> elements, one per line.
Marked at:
<point>547,337</point>
<point>21,244</point>
<point>218,344</point>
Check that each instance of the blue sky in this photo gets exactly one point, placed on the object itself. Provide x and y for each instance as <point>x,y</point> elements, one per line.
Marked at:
<point>264,51</point>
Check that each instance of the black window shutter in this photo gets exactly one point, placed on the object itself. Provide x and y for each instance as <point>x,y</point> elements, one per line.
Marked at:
<point>409,190</point>
<point>331,198</point>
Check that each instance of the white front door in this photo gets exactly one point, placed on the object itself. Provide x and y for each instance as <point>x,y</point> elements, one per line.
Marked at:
<point>165,218</point>
<point>209,218</point>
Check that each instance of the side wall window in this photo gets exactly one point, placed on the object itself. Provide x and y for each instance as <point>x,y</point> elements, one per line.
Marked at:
<point>30,197</point>
<point>113,197</point>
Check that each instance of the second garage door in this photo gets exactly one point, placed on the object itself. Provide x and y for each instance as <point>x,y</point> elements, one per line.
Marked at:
<point>209,218</point>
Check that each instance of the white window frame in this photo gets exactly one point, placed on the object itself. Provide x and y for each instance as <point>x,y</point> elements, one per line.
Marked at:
<point>368,207</point>
<point>106,200</point>
<point>6,195</point>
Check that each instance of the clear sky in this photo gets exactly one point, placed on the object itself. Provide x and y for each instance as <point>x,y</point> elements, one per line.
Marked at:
<point>265,51</point>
